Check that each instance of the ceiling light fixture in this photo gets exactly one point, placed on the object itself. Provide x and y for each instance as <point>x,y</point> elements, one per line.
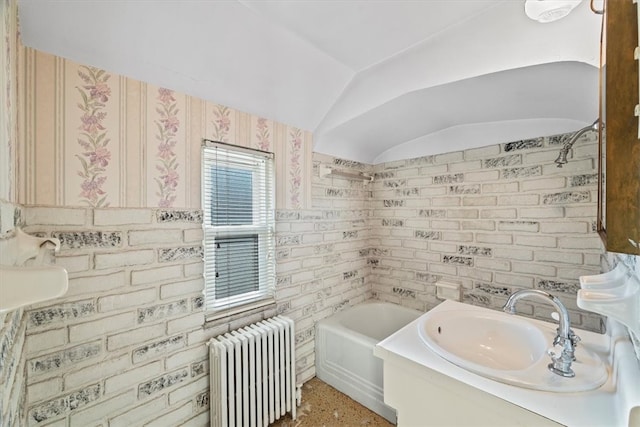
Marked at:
<point>545,11</point>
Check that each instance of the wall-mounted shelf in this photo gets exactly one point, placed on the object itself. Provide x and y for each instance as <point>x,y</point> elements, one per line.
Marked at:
<point>326,171</point>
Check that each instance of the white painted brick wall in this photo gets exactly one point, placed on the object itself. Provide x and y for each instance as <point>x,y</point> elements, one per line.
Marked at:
<point>334,255</point>
<point>517,209</point>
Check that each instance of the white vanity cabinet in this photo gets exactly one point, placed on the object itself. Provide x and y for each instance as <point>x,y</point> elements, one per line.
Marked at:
<point>424,397</point>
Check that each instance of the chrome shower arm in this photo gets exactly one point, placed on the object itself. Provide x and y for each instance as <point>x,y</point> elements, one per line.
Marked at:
<point>564,151</point>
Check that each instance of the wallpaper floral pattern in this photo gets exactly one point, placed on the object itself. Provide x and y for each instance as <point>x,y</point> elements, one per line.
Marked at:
<point>104,140</point>
<point>295,169</point>
<point>221,123</point>
<point>93,138</point>
<point>167,160</point>
<point>263,135</point>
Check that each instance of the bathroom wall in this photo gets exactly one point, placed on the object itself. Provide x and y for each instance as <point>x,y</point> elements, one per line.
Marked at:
<point>111,167</point>
<point>89,137</point>
<point>12,324</point>
<point>493,220</point>
<point>127,343</point>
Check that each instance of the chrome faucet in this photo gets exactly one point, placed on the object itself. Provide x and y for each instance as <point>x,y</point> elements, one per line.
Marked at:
<point>560,364</point>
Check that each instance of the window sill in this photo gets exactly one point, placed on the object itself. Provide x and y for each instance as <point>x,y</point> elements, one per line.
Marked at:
<point>215,318</point>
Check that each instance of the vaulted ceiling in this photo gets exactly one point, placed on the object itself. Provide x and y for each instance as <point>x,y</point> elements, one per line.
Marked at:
<point>375,80</point>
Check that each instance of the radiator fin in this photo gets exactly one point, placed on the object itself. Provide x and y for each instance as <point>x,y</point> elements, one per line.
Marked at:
<point>253,374</point>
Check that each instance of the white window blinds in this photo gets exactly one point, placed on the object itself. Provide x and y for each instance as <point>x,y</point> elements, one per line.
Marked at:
<point>239,226</point>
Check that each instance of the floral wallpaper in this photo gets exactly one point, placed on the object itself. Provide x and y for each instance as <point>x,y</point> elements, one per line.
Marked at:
<point>93,138</point>
<point>100,139</point>
<point>167,160</point>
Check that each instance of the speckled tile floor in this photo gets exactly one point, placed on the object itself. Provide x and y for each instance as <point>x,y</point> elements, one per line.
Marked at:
<point>324,406</point>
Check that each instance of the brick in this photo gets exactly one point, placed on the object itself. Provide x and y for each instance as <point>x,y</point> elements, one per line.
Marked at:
<point>131,377</point>
<point>590,242</point>
<point>175,289</point>
<point>528,226</point>
<point>48,340</point>
<point>55,216</point>
<point>151,237</point>
<point>479,201</point>
<point>65,358</point>
<point>161,383</point>
<point>581,211</point>
<point>462,213</point>
<point>185,323</point>
<point>155,275</point>
<point>533,268</point>
<point>545,212</point>
<point>90,374</point>
<point>502,239</point>
<point>479,225</point>
<point>172,418</point>
<point>459,237</point>
<point>193,235</point>
<point>445,201</point>
<point>543,183</point>
<point>88,330</point>
<point>482,152</point>
<point>188,391</point>
<point>445,225</point>
<point>443,247</point>
<point>560,257</point>
<point>521,172</point>
<point>514,280</point>
<point>124,259</point>
<point>127,300</point>
<point>498,213</point>
<point>152,350</point>
<point>193,216</point>
<point>64,404</point>
<point>44,390</point>
<point>122,216</point>
<point>525,144</point>
<point>491,175</point>
<point>96,284</point>
<point>493,264</point>
<point>513,253</point>
<point>88,239</point>
<point>519,200</point>
<point>465,166</point>
<point>62,313</point>
<point>161,311</point>
<point>455,156</point>
<point>566,197</point>
<point>564,227</point>
<point>102,410</point>
<point>540,241</point>
<point>500,162</point>
<point>138,335</point>
<point>187,356</point>
<point>181,253</point>
<point>139,414</point>
<point>74,264</point>
<point>511,187</point>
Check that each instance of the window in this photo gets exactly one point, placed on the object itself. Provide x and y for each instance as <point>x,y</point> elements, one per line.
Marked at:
<point>238,205</point>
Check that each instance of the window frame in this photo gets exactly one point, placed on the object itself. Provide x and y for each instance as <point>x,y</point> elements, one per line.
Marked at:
<point>262,165</point>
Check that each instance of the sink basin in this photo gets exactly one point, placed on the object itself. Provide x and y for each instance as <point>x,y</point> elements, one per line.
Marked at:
<point>506,348</point>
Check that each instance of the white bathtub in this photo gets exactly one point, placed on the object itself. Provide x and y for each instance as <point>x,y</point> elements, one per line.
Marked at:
<point>344,350</point>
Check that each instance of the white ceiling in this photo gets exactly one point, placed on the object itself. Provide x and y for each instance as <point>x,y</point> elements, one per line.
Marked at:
<point>375,80</point>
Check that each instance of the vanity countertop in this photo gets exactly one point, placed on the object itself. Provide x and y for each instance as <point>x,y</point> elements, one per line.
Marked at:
<point>608,405</point>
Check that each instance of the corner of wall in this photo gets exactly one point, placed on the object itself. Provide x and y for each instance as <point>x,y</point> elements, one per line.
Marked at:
<point>12,339</point>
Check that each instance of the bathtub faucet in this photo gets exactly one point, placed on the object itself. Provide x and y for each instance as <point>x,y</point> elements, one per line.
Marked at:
<point>560,364</point>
